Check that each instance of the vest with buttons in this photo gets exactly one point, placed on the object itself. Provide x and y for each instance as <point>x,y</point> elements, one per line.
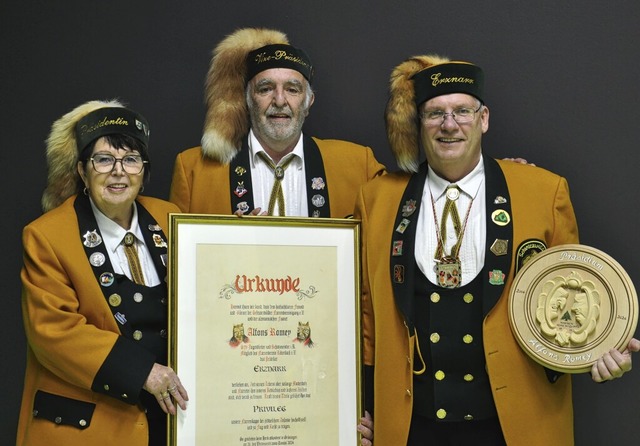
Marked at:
<point>455,385</point>
<point>141,311</point>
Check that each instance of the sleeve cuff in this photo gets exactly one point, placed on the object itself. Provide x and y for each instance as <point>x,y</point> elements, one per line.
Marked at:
<point>124,371</point>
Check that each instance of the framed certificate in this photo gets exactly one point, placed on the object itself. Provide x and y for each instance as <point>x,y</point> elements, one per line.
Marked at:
<point>264,330</point>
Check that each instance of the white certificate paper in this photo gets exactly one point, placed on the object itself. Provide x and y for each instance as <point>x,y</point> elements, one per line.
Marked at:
<point>265,330</point>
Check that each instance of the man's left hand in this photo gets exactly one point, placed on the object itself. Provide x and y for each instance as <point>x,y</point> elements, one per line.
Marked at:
<point>614,364</point>
<point>366,429</point>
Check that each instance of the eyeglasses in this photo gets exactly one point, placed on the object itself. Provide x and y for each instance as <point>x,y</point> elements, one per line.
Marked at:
<point>460,115</point>
<point>104,163</point>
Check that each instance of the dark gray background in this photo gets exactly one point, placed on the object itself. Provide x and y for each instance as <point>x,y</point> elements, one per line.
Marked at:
<point>562,86</point>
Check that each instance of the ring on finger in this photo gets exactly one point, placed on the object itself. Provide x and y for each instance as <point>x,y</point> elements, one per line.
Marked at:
<point>164,395</point>
<point>172,389</point>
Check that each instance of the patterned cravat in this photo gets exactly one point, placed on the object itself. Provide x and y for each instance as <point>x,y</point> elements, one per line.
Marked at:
<point>131,252</point>
<point>450,211</point>
<point>276,192</point>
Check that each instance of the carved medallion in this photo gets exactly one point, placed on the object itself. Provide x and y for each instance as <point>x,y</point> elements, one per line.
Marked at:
<point>569,305</point>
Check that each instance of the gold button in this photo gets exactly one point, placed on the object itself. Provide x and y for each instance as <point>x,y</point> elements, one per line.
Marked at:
<point>58,420</point>
<point>137,335</point>
<point>435,298</point>
<point>124,396</point>
<point>106,387</point>
<point>468,298</point>
<point>468,377</point>
<point>467,339</point>
<point>439,375</point>
<point>115,300</point>
<point>441,414</point>
<point>138,297</point>
<point>408,359</point>
<point>163,333</point>
<point>82,423</point>
<point>468,417</point>
<point>408,392</point>
<point>435,337</point>
<point>35,412</point>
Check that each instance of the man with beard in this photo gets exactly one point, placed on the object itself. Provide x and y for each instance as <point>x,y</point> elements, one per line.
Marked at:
<point>254,158</point>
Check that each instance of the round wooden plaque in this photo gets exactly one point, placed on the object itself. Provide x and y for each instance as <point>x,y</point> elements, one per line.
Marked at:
<point>569,305</point>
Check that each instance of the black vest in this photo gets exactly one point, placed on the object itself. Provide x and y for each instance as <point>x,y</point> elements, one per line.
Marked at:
<point>141,311</point>
<point>448,321</point>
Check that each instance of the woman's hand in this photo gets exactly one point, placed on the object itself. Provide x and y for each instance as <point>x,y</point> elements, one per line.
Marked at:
<point>164,384</point>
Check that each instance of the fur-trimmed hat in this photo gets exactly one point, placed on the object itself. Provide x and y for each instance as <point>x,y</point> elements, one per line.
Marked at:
<point>63,152</point>
<point>413,82</point>
<point>227,118</point>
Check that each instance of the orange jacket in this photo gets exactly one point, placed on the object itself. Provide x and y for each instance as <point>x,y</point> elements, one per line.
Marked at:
<point>532,411</point>
<point>71,331</point>
<point>202,186</point>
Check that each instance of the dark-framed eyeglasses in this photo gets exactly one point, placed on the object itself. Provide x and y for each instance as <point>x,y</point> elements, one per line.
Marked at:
<point>461,115</point>
<point>105,163</point>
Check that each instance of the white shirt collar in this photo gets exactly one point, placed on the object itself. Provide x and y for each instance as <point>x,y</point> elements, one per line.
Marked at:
<point>255,147</point>
<point>112,232</point>
<point>470,184</point>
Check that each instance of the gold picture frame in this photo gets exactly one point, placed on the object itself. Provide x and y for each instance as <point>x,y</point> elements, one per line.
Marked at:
<point>264,330</point>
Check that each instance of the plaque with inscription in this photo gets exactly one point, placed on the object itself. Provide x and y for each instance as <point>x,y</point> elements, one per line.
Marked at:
<point>265,330</point>
<point>571,304</point>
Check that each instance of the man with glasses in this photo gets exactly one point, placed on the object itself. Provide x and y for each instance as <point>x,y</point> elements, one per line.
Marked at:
<point>439,241</point>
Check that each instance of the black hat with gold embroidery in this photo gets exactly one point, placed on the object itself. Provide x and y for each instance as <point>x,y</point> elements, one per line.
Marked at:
<point>236,60</point>
<point>73,132</point>
<point>109,121</point>
<point>278,56</point>
<point>448,78</point>
<point>415,81</point>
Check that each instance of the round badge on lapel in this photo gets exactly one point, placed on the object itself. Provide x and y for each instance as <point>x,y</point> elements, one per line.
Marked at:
<point>106,279</point>
<point>115,300</point>
<point>97,259</point>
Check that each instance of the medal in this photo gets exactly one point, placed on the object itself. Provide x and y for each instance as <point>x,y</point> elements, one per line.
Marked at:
<point>106,279</point>
<point>398,273</point>
<point>240,189</point>
<point>97,259</point>
<point>243,207</point>
<point>453,193</point>
<point>500,247</point>
<point>409,208</point>
<point>318,200</point>
<point>403,225</point>
<point>92,239</point>
<point>158,241</point>
<point>115,300</point>
<point>500,217</point>
<point>317,183</point>
<point>448,272</point>
<point>396,250</point>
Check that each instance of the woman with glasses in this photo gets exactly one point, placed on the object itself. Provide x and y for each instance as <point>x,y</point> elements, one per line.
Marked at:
<point>94,293</point>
